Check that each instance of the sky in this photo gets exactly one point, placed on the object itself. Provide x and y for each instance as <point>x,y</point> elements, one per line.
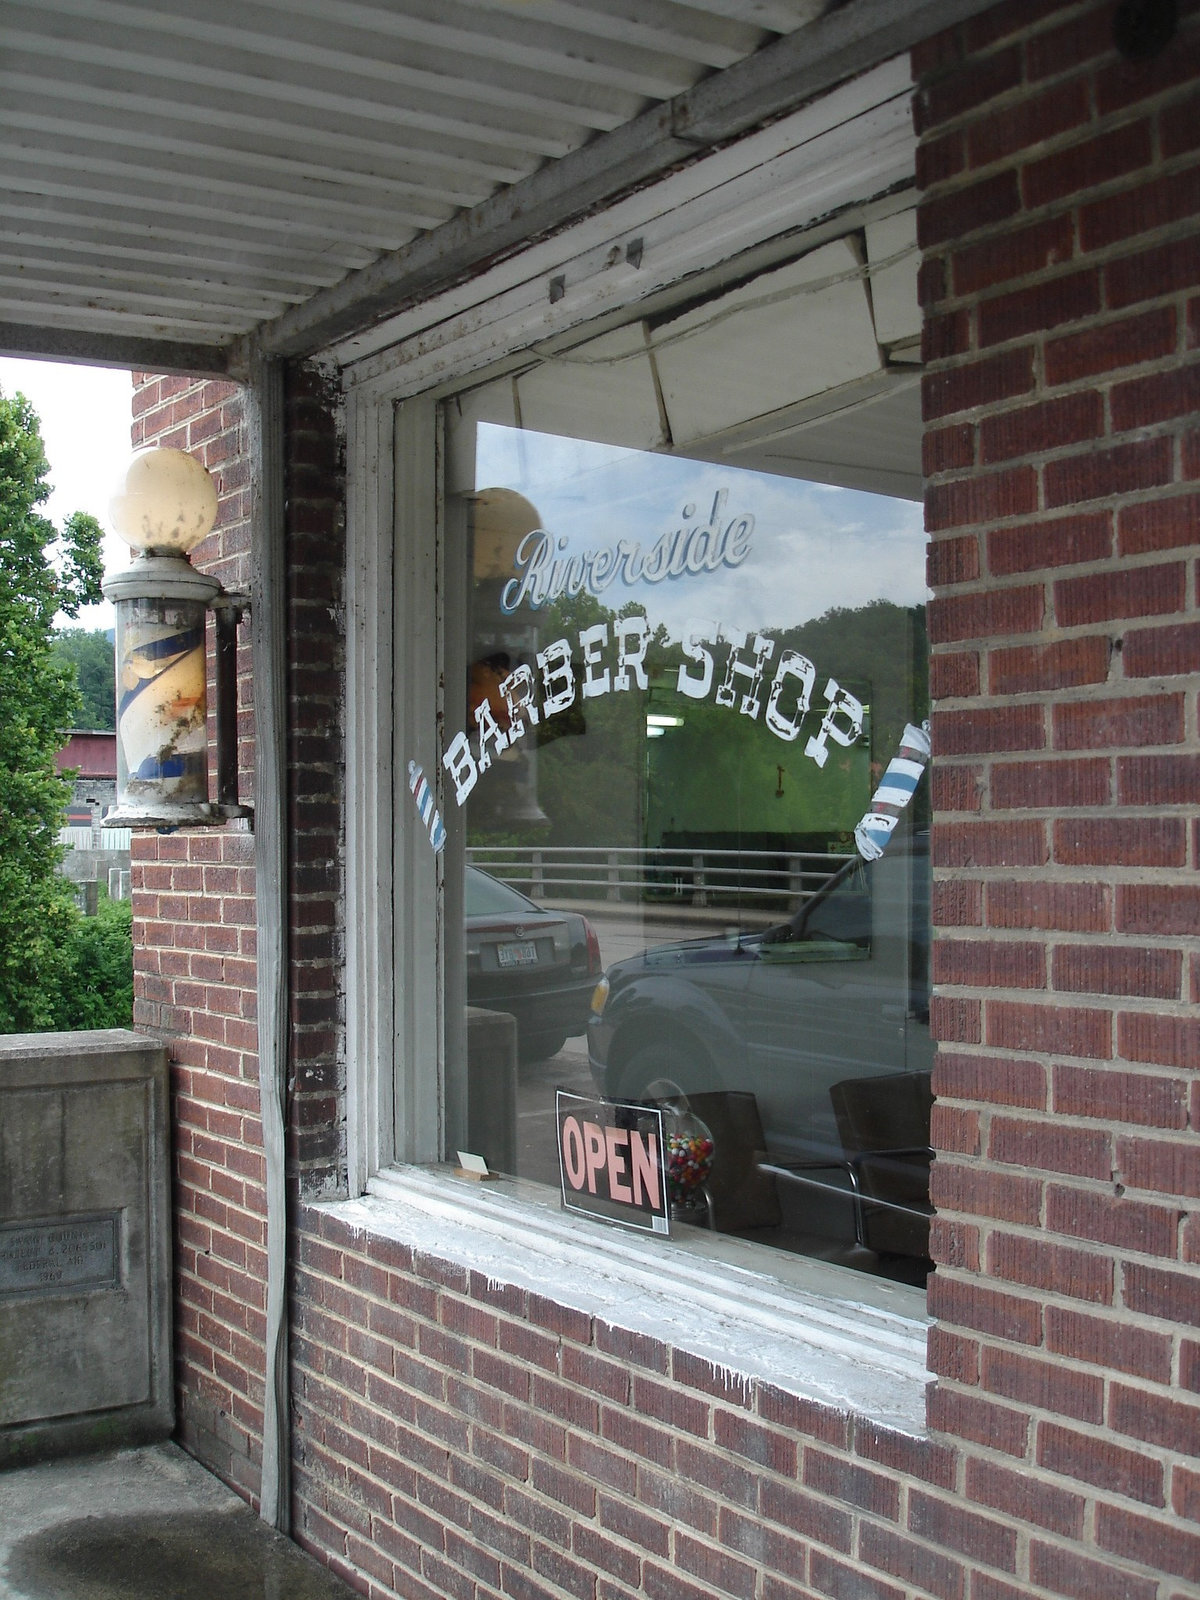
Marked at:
<point>814,546</point>
<point>85,415</point>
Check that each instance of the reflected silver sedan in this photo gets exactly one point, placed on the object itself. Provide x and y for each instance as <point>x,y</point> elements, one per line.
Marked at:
<point>541,966</point>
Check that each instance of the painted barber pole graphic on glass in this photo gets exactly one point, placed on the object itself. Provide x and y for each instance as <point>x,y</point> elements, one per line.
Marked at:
<point>430,816</point>
<point>894,793</point>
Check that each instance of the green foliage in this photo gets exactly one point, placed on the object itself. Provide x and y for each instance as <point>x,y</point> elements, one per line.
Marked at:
<point>42,573</point>
<point>94,659</point>
<point>601,781</point>
<point>95,988</point>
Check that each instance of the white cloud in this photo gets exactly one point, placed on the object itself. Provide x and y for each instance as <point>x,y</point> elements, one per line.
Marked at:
<point>85,415</point>
<point>815,546</point>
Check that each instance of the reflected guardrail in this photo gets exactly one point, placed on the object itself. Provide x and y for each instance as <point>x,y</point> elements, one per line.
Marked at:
<point>632,873</point>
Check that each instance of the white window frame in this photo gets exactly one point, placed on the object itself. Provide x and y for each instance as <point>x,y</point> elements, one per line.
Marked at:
<point>848,154</point>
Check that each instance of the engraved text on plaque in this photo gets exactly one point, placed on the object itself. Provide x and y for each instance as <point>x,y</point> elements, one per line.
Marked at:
<point>64,1256</point>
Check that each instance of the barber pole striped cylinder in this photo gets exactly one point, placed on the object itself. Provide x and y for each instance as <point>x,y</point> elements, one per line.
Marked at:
<point>895,790</point>
<point>430,815</point>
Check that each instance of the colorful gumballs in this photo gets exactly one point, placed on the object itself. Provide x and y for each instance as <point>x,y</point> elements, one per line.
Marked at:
<point>689,1160</point>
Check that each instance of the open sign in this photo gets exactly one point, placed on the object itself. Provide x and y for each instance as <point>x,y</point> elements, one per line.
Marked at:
<point>610,1158</point>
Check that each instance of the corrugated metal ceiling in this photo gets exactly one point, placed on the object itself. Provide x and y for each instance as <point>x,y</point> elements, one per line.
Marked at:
<point>185,185</point>
<point>188,173</point>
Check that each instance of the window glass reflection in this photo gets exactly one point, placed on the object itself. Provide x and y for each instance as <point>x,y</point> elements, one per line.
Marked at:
<point>688,768</point>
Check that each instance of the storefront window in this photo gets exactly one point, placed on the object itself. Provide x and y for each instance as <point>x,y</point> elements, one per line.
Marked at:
<point>686,831</point>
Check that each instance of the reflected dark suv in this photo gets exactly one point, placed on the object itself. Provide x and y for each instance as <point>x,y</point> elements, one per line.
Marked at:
<point>839,992</point>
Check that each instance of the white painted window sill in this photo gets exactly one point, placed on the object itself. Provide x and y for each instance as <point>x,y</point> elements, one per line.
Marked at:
<point>818,1331</point>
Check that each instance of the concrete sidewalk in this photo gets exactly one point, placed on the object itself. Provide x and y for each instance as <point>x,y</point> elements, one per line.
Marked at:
<point>147,1524</point>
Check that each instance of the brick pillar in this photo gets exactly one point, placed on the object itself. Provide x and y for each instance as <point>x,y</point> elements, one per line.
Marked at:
<point>1061,282</point>
<point>195,979</point>
<point>316,553</point>
<point>195,988</point>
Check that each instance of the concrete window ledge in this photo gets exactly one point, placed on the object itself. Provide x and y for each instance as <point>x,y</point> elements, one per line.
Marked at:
<point>817,1331</point>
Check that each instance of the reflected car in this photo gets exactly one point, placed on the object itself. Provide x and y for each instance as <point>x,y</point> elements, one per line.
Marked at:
<point>837,993</point>
<point>541,966</point>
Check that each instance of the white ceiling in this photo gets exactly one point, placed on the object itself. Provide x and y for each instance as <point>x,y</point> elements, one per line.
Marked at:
<point>188,172</point>
<point>177,179</point>
<point>809,370</point>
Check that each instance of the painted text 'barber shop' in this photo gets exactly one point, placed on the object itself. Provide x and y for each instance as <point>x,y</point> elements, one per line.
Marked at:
<point>738,671</point>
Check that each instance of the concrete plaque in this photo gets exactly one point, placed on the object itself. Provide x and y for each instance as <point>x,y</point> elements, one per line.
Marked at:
<point>69,1255</point>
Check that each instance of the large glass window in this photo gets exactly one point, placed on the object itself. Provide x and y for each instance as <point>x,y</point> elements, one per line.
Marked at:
<point>687,830</point>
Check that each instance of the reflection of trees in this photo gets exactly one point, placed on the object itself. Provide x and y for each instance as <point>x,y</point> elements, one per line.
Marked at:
<point>592,759</point>
<point>881,646</point>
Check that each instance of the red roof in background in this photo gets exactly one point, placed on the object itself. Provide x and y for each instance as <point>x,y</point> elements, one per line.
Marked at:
<point>93,754</point>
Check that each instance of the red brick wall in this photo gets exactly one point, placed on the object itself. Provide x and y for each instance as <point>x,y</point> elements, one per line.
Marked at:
<point>458,1437</point>
<point>1061,282</point>
<point>195,986</point>
<point>316,548</point>
<point>195,924</point>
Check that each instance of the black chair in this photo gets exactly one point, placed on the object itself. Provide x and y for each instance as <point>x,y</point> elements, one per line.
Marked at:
<point>883,1129</point>
<point>883,1124</point>
<point>740,1193</point>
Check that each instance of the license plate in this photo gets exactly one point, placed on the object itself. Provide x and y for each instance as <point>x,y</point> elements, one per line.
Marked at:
<point>523,954</point>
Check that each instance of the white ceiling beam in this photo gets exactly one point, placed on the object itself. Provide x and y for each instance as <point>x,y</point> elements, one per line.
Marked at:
<point>254,182</point>
<point>191,327</point>
<point>467,120</point>
<point>137,352</point>
<point>684,30</point>
<point>87,220</point>
<point>776,79</point>
<point>155,289</point>
<point>141,262</point>
<point>188,312</point>
<point>164,201</point>
<point>385,174</point>
<point>781,16</point>
<point>404,46</point>
<point>516,92</point>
